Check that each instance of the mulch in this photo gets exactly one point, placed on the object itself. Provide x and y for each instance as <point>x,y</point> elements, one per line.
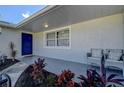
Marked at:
<point>8,63</point>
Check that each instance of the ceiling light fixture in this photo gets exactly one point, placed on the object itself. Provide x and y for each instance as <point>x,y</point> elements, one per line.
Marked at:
<point>45,25</point>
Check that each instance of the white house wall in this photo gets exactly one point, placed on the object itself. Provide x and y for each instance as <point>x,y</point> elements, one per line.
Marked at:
<point>6,37</point>
<point>106,32</point>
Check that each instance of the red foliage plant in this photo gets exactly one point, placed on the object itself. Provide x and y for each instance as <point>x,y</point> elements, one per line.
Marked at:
<point>94,79</point>
<point>65,79</point>
<point>37,68</point>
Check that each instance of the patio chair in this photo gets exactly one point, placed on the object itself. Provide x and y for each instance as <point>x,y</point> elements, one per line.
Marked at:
<point>94,56</point>
<point>115,58</point>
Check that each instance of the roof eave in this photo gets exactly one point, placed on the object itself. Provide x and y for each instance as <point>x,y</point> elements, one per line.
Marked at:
<point>34,15</point>
<point>7,25</point>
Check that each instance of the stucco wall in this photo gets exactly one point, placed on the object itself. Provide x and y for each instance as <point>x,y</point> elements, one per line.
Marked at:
<point>6,37</point>
<point>105,32</point>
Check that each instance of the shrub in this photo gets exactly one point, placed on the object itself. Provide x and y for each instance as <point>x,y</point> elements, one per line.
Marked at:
<point>37,69</point>
<point>65,79</point>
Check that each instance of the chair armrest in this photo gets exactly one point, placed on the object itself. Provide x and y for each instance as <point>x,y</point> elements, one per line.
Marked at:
<point>89,54</point>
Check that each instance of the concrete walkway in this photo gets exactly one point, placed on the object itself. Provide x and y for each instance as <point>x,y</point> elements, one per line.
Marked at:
<point>15,71</point>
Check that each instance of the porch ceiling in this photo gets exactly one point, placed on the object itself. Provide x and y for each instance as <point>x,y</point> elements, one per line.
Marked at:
<point>65,15</point>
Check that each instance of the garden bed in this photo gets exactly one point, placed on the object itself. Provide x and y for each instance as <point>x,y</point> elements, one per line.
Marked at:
<point>36,76</point>
<point>8,63</point>
<point>25,80</point>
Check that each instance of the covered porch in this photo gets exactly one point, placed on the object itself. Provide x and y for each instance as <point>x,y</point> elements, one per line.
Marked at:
<point>63,35</point>
<point>55,66</point>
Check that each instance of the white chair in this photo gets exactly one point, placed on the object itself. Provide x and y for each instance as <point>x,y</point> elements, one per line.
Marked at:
<point>115,58</point>
<point>94,57</point>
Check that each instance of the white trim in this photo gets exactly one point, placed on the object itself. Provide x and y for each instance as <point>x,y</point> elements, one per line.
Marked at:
<point>24,31</point>
<point>41,12</point>
<point>10,25</point>
<point>55,30</point>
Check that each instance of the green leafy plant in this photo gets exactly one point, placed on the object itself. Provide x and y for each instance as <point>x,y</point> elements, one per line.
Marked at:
<point>13,51</point>
<point>50,81</point>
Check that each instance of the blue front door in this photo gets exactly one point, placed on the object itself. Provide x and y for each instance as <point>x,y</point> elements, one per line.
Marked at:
<point>26,44</point>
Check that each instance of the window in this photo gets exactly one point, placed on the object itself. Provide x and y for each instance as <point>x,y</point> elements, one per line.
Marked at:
<point>50,39</point>
<point>63,38</point>
<point>58,38</point>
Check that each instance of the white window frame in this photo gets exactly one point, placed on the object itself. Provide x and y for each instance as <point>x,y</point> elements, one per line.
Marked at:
<point>57,30</point>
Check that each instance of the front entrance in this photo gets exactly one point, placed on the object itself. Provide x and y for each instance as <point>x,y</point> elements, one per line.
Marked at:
<point>27,44</point>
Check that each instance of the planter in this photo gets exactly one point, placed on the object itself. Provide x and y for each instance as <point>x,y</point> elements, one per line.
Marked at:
<point>25,80</point>
<point>6,63</point>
